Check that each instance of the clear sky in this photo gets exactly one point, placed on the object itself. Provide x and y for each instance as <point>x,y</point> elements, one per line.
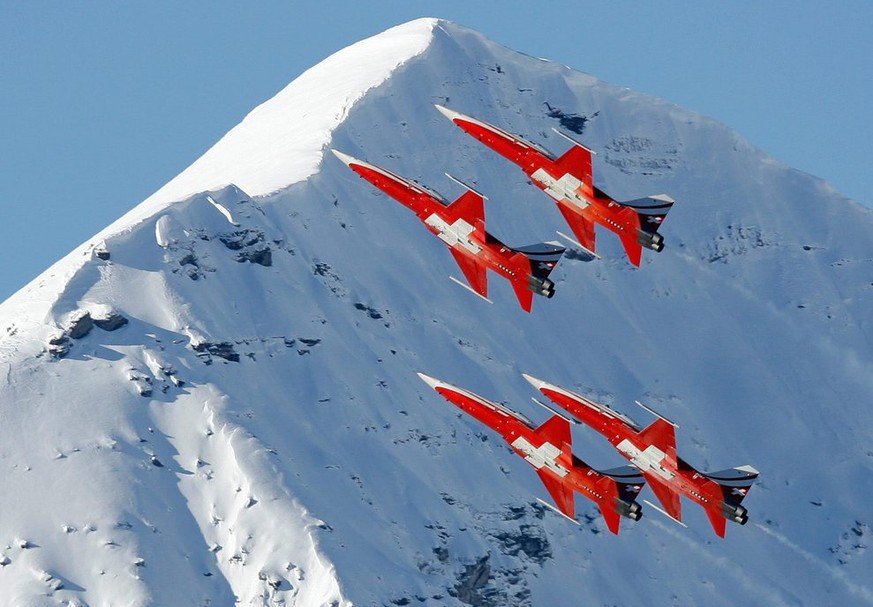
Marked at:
<point>101,103</point>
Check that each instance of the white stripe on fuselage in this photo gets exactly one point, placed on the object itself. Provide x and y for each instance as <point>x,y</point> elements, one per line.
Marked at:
<point>543,456</point>
<point>564,188</point>
<point>452,234</point>
<point>649,460</point>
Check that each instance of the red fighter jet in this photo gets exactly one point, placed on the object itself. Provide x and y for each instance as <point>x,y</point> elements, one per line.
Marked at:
<point>461,225</point>
<point>653,451</point>
<point>568,180</point>
<point>548,449</point>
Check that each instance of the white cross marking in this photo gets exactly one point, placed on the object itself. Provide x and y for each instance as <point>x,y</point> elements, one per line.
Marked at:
<point>457,233</point>
<point>649,460</point>
<point>543,456</point>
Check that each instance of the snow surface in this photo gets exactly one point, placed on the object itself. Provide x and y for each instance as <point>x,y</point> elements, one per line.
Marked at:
<point>256,432</point>
<point>279,143</point>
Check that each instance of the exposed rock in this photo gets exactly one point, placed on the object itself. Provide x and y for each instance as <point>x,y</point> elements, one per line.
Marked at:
<point>371,312</point>
<point>59,346</point>
<point>222,350</point>
<point>530,540</point>
<point>111,322</point>
<point>263,257</point>
<point>251,245</point>
<point>571,122</point>
<point>81,324</point>
<point>471,588</point>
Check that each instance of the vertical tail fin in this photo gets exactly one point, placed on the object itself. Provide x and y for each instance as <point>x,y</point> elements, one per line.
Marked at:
<point>652,211</point>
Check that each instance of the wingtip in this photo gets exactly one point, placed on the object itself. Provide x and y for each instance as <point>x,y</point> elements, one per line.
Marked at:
<point>749,469</point>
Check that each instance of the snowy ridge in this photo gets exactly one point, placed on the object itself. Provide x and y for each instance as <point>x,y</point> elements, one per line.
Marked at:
<point>279,143</point>
<point>222,403</point>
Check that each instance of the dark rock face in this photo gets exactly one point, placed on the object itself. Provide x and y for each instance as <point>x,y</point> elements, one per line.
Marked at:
<point>224,350</point>
<point>471,588</point>
<point>571,122</point>
<point>530,540</point>
<point>111,322</point>
<point>59,346</point>
<point>263,257</point>
<point>250,244</point>
<point>80,325</point>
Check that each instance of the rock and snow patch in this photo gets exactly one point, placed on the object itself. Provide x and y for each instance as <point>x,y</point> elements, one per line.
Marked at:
<point>258,533</point>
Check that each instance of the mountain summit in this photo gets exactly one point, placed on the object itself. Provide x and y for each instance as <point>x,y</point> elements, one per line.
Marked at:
<point>215,400</point>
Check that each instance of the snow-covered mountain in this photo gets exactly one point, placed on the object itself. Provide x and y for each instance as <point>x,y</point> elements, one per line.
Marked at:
<point>214,400</point>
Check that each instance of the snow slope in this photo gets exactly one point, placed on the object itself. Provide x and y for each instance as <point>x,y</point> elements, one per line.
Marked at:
<point>255,432</point>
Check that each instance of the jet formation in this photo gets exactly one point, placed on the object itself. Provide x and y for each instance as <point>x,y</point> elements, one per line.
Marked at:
<point>548,448</point>
<point>568,180</point>
<point>650,450</point>
<point>461,226</point>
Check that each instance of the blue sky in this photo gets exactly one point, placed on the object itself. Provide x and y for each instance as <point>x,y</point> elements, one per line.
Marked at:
<point>101,103</point>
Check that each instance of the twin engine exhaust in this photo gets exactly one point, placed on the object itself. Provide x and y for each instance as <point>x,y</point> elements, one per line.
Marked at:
<point>737,514</point>
<point>542,286</point>
<point>651,240</point>
<point>631,510</point>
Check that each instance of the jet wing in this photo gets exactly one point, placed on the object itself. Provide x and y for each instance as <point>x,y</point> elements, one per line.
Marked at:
<point>582,228</point>
<point>661,434</point>
<point>474,272</point>
<point>667,496</point>
<point>716,519</point>
<point>561,493</point>
<point>576,161</point>
<point>611,517</point>
<point>470,207</point>
<point>633,248</point>
<point>523,293</point>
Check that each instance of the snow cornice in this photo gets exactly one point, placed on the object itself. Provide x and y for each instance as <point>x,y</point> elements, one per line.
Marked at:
<point>278,143</point>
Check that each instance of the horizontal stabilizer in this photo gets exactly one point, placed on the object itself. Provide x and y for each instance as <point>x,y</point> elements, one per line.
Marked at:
<point>543,257</point>
<point>734,482</point>
<point>740,473</point>
<point>652,211</point>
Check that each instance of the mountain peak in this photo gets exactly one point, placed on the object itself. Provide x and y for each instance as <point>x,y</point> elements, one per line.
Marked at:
<point>215,400</point>
<point>278,143</point>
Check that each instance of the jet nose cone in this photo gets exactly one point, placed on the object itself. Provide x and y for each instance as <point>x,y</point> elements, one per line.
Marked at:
<point>347,160</point>
<point>536,383</point>
<point>450,114</point>
<point>430,381</point>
